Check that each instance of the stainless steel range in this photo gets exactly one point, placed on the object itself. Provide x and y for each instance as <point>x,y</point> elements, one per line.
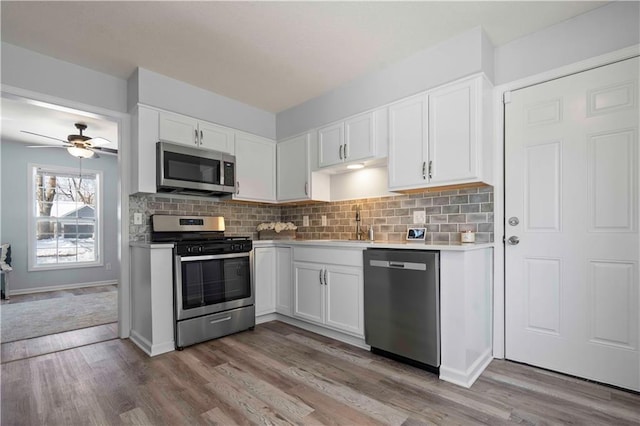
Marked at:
<point>213,282</point>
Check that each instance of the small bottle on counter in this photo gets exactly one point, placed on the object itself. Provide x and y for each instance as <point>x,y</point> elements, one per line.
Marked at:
<point>370,232</point>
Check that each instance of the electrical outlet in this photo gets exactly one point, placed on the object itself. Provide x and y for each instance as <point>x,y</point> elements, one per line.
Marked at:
<point>324,220</point>
<point>137,218</point>
<point>419,217</point>
<point>305,220</point>
<point>108,266</point>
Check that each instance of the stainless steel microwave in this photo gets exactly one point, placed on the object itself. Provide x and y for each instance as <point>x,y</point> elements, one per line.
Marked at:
<point>194,171</point>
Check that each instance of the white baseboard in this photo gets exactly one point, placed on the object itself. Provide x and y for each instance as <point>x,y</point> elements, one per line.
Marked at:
<point>352,340</point>
<point>148,348</point>
<point>61,287</point>
<point>468,377</point>
<point>266,318</point>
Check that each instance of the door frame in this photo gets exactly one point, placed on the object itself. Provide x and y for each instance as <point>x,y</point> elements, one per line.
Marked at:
<point>499,175</point>
<point>123,121</point>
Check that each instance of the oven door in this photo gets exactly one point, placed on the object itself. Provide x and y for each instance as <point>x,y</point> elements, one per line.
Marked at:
<point>212,283</point>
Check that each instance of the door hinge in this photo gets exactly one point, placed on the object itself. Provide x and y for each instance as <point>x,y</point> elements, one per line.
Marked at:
<point>506,97</point>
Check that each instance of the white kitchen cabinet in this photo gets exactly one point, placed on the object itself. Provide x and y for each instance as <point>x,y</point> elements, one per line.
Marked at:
<point>358,138</point>
<point>331,145</point>
<point>189,131</point>
<point>144,135</point>
<point>255,168</point>
<point>408,142</point>
<point>272,280</point>
<point>295,180</point>
<point>264,279</point>
<point>152,323</point>
<point>328,288</point>
<point>284,281</point>
<point>441,137</point>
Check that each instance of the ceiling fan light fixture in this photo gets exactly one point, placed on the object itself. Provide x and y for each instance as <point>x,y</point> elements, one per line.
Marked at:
<point>79,152</point>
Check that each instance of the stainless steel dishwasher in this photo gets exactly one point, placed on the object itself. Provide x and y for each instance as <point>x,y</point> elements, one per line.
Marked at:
<point>402,305</point>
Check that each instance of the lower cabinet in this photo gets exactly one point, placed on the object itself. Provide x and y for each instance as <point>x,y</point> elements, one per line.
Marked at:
<point>272,280</point>
<point>329,294</point>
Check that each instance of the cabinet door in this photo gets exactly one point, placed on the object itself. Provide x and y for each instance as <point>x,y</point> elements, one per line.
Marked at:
<point>217,138</point>
<point>264,279</point>
<point>308,291</point>
<point>408,142</point>
<point>359,137</point>
<point>284,281</point>
<point>453,132</point>
<point>293,169</point>
<point>330,145</point>
<point>178,129</point>
<point>255,168</point>
<point>143,152</point>
<point>345,299</point>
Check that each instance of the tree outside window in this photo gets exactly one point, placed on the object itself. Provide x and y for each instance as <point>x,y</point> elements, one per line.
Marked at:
<point>65,219</point>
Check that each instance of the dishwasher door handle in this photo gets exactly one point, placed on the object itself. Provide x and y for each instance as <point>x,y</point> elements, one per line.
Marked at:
<point>399,265</point>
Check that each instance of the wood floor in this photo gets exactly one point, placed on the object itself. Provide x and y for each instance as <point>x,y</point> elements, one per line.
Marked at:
<point>279,374</point>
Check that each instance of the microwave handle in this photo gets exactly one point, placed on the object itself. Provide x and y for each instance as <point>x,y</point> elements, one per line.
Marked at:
<point>221,172</point>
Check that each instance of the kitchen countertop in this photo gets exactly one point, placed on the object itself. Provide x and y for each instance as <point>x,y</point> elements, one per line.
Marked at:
<point>150,245</point>
<point>375,244</point>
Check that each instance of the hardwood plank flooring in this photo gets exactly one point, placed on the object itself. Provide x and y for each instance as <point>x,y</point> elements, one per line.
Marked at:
<point>279,374</point>
<point>20,349</point>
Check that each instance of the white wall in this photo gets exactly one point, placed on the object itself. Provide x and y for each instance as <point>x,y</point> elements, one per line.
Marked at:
<point>14,182</point>
<point>450,60</point>
<point>32,71</point>
<point>603,30</point>
<point>153,89</point>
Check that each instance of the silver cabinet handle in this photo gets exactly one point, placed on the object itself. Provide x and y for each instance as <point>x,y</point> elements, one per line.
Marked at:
<point>346,151</point>
<point>238,188</point>
<point>340,152</point>
<point>201,136</point>
<point>320,276</point>
<point>195,139</point>
<point>513,240</point>
<point>325,277</point>
<point>306,188</point>
<point>430,169</point>
<point>424,166</point>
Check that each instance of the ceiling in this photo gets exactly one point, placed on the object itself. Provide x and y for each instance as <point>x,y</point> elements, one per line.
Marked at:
<point>272,55</point>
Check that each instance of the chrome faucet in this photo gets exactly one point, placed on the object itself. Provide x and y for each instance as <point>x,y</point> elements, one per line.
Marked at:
<point>358,230</point>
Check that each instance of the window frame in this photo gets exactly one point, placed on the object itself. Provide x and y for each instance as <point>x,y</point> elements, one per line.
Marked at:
<point>32,265</point>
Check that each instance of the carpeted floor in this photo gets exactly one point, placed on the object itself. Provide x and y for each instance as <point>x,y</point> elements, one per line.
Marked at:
<point>42,317</point>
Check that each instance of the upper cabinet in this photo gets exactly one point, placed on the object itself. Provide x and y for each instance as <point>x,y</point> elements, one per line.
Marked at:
<point>185,130</point>
<point>255,168</point>
<point>437,138</point>
<point>295,181</point>
<point>358,138</point>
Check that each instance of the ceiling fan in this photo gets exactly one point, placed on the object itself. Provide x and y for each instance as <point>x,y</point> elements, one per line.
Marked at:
<point>80,146</point>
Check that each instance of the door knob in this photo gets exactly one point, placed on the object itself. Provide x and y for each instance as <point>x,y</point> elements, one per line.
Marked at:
<point>514,221</point>
<point>513,240</point>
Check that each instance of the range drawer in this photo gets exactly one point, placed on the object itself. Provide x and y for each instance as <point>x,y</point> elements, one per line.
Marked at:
<point>195,330</point>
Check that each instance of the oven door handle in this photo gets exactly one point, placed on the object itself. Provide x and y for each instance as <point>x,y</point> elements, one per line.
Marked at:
<point>212,257</point>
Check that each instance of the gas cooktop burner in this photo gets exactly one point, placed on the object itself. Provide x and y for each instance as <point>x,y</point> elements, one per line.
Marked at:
<point>196,235</point>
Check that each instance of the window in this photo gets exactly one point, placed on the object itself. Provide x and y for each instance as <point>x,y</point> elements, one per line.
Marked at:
<point>65,218</point>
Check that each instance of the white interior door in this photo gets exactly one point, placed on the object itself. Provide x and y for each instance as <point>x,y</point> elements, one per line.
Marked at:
<point>571,180</point>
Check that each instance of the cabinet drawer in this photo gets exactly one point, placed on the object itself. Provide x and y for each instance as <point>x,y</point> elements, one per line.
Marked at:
<point>334,256</point>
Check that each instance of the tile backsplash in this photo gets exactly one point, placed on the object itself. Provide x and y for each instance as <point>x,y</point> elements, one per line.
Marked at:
<point>240,218</point>
<point>448,213</point>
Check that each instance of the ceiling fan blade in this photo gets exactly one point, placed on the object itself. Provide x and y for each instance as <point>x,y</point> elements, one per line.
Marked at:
<point>98,141</point>
<point>45,136</point>
<point>45,146</point>
<point>103,150</point>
